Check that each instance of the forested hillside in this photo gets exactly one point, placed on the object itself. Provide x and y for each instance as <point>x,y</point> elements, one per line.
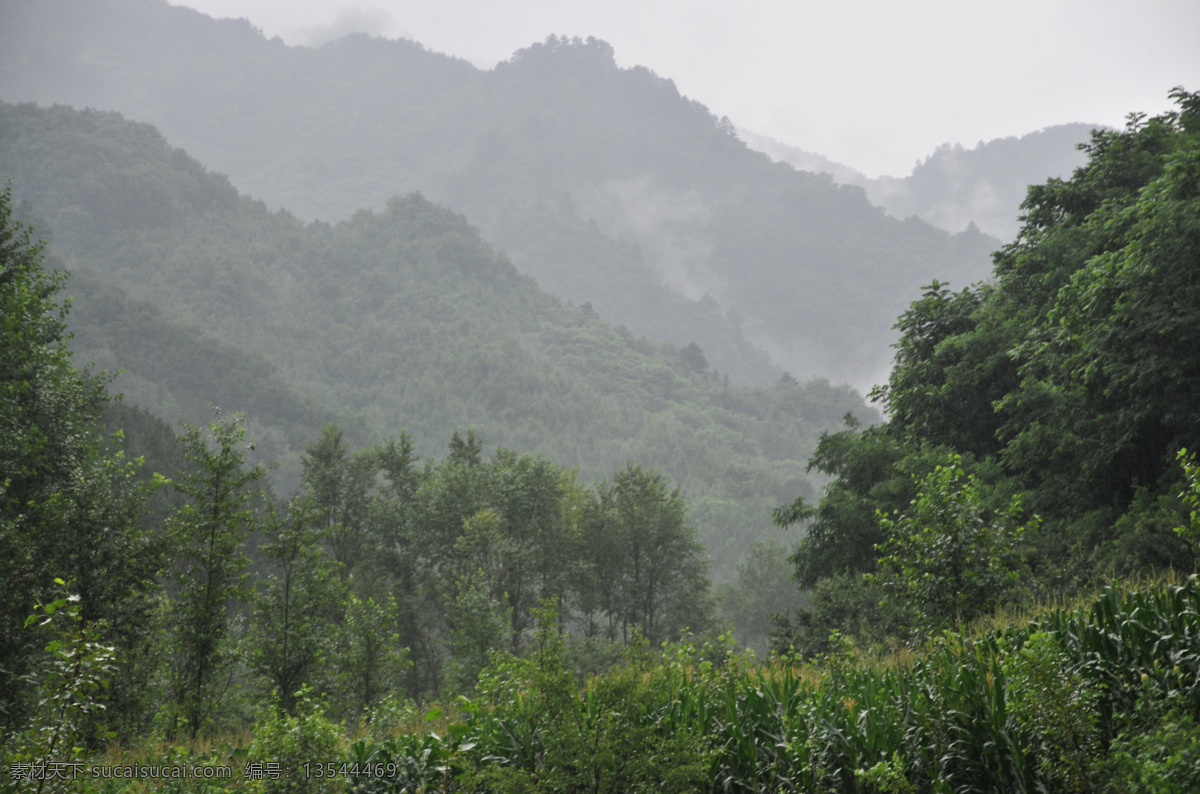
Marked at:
<point>603,183</point>
<point>487,623</point>
<point>401,319</point>
<point>187,595</point>
<point>954,186</point>
<point>1038,427</point>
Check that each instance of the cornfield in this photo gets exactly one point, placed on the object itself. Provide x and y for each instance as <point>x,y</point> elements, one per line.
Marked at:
<point>1058,702</point>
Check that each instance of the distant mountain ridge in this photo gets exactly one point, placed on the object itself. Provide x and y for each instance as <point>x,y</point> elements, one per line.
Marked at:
<point>801,159</point>
<point>955,186</point>
<point>603,183</point>
<point>398,319</point>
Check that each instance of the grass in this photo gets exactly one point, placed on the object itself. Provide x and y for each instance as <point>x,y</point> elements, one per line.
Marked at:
<point>1048,698</point>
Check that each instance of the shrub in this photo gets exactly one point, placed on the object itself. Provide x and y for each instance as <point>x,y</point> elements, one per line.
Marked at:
<point>298,743</point>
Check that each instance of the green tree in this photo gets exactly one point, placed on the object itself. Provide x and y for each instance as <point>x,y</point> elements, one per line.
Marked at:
<point>67,510</point>
<point>297,605</point>
<point>765,587</point>
<point>1071,379</point>
<point>209,576</point>
<point>1190,497</point>
<point>370,661</point>
<point>479,625</point>
<point>947,557</point>
<point>339,487</point>
<point>952,364</point>
<point>532,548</point>
<point>867,466</point>
<point>1100,285</point>
<point>663,584</point>
<point>71,686</point>
<point>394,510</point>
<point>601,557</point>
<point>693,357</point>
<point>401,561</point>
<point>638,561</point>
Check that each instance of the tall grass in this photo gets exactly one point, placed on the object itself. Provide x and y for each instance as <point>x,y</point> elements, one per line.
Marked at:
<point>1090,697</point>
<point>1023,705</point>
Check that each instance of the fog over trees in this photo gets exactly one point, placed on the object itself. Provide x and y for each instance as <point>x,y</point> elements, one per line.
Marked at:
<point>370,421</point>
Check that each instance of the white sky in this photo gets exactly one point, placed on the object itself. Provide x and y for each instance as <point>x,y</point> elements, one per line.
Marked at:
<point>873,84</point>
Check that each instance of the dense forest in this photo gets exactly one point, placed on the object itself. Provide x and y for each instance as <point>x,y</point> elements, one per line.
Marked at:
<point>487,622</point>
<point>401,319</point>
<point>603,183</point>
<point>307,483</point>
<point>382,577</point>
<point>1035,422</point>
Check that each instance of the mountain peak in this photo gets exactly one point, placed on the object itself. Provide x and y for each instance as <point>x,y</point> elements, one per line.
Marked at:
<point>562,50</point>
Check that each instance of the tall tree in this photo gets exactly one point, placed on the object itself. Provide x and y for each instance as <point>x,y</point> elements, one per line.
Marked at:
<point>1072,381</point>
<point>209,577</point>
<point>67,510</point>
<point>297,603</point>
<point>401,561</point>
<point>339,487</point>
<point>370,661</point>
<point>664,584</point>
<point>947,557</point>
<point>525,494</point>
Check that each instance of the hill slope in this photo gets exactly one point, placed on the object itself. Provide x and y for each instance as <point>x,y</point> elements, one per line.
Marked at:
<point>603,183</point>
<point>953,187</point>
<point>403,318</point>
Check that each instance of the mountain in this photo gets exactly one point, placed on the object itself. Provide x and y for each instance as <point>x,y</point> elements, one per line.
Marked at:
<point>955,187</point>
<point>803,160</point>
<point>605,184</point>
<point>399,319</point>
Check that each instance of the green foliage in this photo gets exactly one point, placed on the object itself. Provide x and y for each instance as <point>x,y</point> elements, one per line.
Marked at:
<point>297,603</point>
<point>847,603</point>
<point>868,469</point>
<point>478,626</point>
<point>369,658</point>
<point>1057,709</point>
<point>1190,498</point>
<point>945,558</point>
<point>1163,760</point>
<point>337,488</point>
<point>1145,538</point>
<point>423,761</point>
<point>68,508</point>
<point>549,736</point>
<point>887,777</point>
<point>1024,707</point>
<point>210,531</point>
<point>941,389</point>
<point>1101,697</point>
<point>648,572</point>
<point>215,299</point>
<point>1105,349</point>
<point>1068,381</point>
<point>71,688</point>
<point>764,588</point>
<point>299,739</point>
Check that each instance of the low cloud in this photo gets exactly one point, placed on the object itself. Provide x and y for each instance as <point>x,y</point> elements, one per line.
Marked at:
<point>669,226</point>
<point>347,20</point>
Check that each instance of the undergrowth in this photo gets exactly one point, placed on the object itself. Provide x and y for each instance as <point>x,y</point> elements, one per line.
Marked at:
<point>1099,696</point>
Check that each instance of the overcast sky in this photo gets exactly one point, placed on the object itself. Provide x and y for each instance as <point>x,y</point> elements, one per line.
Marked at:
<point>873,84</point>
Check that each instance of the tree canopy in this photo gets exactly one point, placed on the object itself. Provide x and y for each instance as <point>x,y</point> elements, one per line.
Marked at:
<point>1070,381</point>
